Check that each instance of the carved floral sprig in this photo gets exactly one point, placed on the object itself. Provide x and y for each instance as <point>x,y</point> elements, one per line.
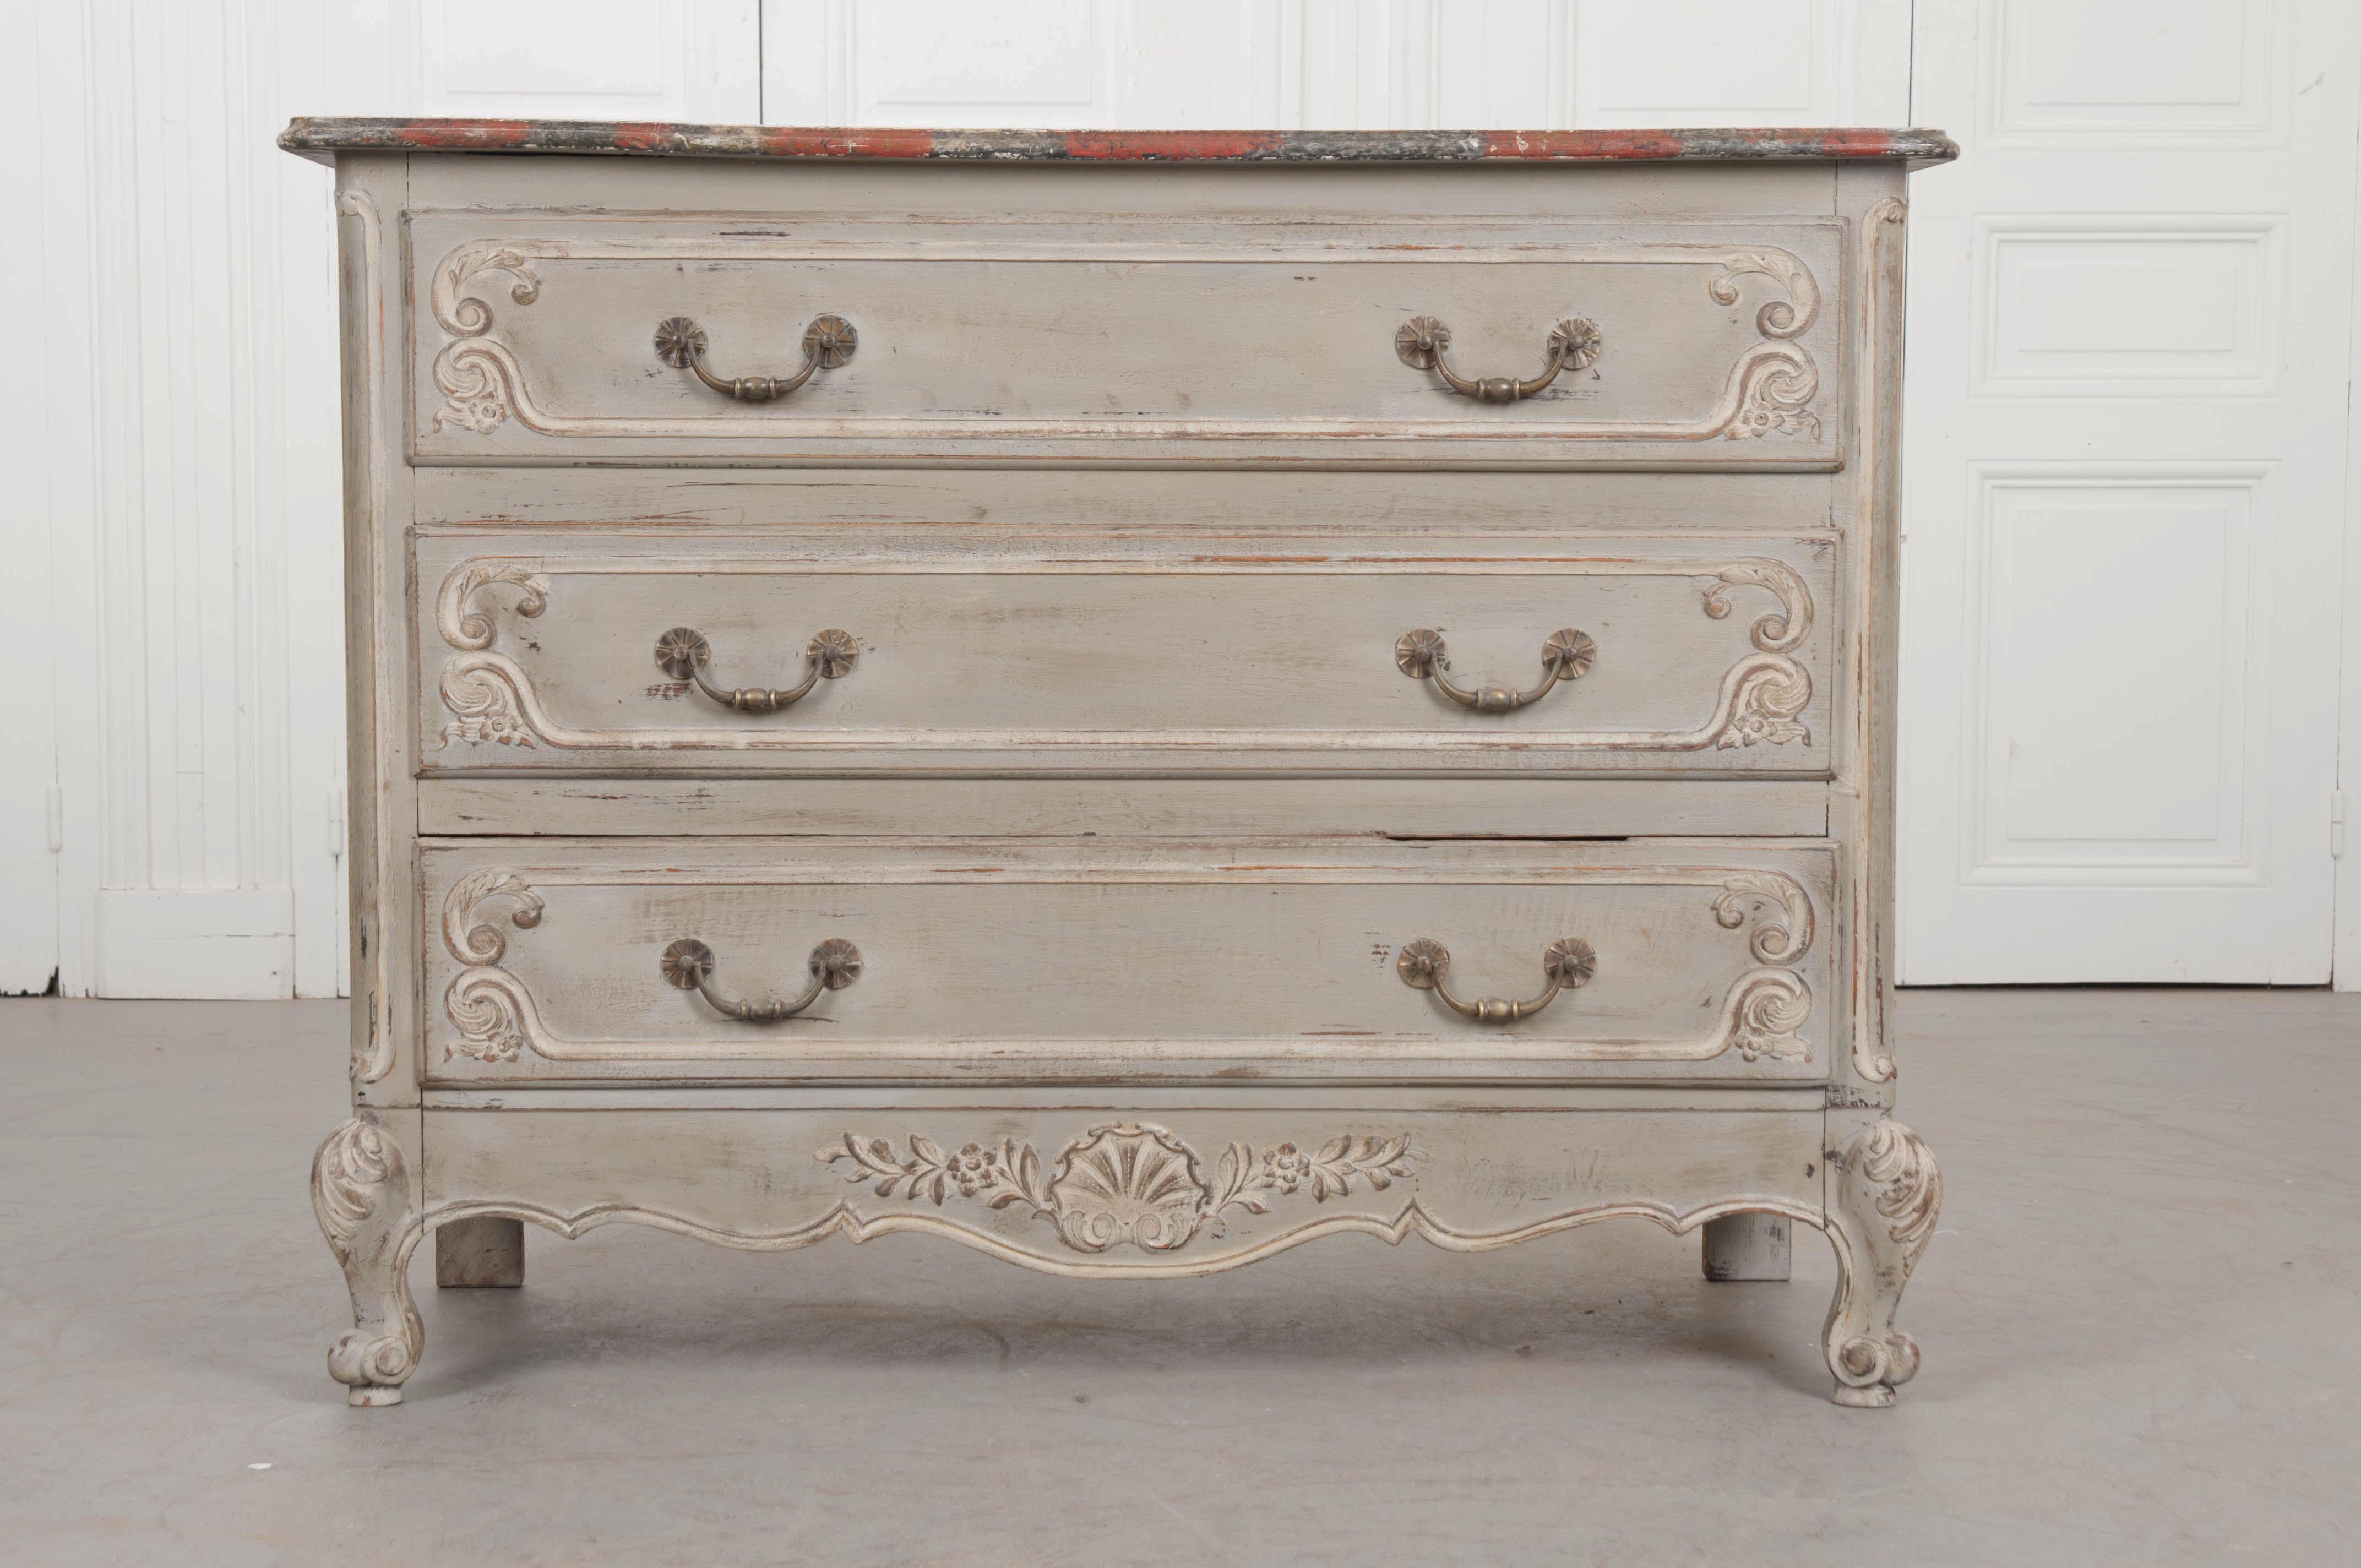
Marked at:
<point>1009,1174</point>
<point>1249,1181</point>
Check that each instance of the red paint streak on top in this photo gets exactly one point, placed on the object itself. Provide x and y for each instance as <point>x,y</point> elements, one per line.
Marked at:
<point>466,134</point>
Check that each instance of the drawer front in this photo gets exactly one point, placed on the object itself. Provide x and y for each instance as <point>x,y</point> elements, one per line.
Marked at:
<point>1091,338</point>
<point>1202,1181</point>
<point>1253,960</point>
<point>626,654</point>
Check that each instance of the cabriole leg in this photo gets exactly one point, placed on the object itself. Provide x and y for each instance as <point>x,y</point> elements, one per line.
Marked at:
<point>1749,1246</point>
<point>1886,1194</point>
<point>486,1252</point>
<point>360,1191</point>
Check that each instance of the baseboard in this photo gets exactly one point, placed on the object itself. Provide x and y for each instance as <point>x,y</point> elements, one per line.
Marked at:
<point>213,944</point>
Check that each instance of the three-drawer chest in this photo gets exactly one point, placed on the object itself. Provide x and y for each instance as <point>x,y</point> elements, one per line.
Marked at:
<point>1127,701</point>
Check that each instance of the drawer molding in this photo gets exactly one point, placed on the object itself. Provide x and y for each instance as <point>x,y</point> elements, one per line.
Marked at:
<point>496,1019</point>
<point>493,698</point>
<point>1768,389</point>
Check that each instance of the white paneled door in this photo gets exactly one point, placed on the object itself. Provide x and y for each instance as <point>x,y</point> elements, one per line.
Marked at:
<point>1335,64</point>
<point>2130,350</point>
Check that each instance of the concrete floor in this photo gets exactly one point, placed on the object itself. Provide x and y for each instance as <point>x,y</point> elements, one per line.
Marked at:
<point>2139,1323</point>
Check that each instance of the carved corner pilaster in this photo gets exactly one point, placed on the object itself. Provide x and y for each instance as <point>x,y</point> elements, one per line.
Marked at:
<point>360,1191</point>
<point>1885,1192</point>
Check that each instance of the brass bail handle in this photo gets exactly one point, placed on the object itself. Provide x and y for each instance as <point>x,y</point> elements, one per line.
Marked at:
<point>689,964</point>
<point>683,653</point>
<point>1567,964</point>
<point>1566,655</point>
<point>828,342</point>
<point>1572,344</point>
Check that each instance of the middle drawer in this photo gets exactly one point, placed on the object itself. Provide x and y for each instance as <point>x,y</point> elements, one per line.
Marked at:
<point>934,650</point>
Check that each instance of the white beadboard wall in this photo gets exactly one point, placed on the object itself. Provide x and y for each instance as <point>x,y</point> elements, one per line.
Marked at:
<point>187,437</point>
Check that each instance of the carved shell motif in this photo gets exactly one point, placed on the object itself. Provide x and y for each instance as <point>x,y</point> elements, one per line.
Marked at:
<point>1128,1183</point>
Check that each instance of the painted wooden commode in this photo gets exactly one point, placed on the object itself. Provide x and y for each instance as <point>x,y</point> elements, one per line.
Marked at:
<point>1127,701</point>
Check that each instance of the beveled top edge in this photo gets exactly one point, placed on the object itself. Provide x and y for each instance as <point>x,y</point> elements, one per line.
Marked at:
<point>319,137</point>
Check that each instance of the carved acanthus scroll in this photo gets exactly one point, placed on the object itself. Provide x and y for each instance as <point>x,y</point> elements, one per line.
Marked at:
<point>487,701</point>
<point>1781,933</point>
<point>463,623</point>
<point>1768,1007</point>
<point>475,374</point>
<point>491,1012</point>
<point>479,941</point>
<point>1779,631</point>
<point>480,1000</point>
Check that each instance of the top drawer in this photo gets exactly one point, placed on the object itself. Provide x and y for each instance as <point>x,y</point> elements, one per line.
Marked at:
<point>1081,338</point>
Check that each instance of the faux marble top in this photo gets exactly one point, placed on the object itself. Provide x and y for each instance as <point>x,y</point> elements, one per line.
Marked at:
<point>321,137</point>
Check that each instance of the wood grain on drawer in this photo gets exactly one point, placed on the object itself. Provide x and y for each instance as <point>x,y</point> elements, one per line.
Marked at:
<point>1698,654</point>
<point>1498,805</point>
<point>1258,960</point>
<point>1090,338</point>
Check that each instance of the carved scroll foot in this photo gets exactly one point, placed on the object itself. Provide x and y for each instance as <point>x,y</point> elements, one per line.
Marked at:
<point>360,1191</point>
<point>1885,1194</point>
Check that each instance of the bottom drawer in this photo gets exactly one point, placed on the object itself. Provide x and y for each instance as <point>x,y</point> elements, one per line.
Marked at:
<point>718,961</point>
<point>1169,1182</point>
